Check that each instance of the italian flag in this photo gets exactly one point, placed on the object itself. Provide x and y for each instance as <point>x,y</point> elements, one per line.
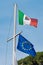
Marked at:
<point>23,19</point>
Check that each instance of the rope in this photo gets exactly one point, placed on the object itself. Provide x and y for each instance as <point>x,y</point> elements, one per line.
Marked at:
<point>10,23</point>
<point>6,54</point>
<point>9,29</point>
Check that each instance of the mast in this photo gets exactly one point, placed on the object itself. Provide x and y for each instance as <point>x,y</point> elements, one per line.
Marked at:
<point>14,39</point>
<point>14,60</point>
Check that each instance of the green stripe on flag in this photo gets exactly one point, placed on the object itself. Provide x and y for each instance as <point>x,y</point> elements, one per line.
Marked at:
<point>21,15</point>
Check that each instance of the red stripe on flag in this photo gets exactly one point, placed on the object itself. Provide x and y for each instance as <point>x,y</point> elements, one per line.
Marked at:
<point>34,22</point>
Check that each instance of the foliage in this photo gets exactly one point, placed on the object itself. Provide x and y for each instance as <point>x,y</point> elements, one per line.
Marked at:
<point>37,60</point>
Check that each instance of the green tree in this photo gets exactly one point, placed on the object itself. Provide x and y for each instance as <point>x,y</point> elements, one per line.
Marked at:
<point>29,60</point>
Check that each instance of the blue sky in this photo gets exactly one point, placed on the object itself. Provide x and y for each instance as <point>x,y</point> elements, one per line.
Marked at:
<point>32,8</point>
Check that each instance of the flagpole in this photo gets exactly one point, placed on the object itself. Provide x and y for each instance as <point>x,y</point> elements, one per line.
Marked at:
<point>14,39</point>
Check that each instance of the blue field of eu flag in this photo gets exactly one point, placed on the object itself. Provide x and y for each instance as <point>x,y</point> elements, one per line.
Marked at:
<point>25,46</point>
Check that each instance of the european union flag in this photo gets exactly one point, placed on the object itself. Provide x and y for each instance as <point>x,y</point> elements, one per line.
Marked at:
<point>25,46</point>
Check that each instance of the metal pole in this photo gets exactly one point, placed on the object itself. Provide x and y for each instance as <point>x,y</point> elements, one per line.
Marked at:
<point>14,39</point>
<point>13,36</point>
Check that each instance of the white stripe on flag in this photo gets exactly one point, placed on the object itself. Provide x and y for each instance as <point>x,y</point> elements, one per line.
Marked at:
<point>26,21</point>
